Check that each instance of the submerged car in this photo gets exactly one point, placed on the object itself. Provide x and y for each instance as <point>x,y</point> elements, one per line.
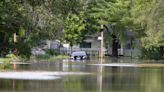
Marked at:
<point>80,55</point>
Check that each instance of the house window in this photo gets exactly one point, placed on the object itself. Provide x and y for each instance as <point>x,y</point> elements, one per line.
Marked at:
<point>85,45</point>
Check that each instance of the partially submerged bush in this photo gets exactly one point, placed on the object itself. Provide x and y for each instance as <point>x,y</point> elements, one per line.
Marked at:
<point>11,56</point>
<point>58,57</point>
<point>42,56</point>
<point>152,53</point>
<point>6,65</point>
<point>52,52</point>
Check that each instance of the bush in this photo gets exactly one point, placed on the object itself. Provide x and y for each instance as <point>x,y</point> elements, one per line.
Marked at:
<point>52,52</point>
<point>5,65</point>
<point>58,57</point>
<point>151,53</point>
<point>24,51</point>
<point>42,56</point>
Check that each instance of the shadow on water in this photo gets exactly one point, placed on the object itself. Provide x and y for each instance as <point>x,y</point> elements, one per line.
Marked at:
<point>103,78</point>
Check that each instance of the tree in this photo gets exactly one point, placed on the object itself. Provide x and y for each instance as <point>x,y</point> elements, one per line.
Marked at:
<point>10,20</point>
<point>63,8</point>
<point>148,14</point>
<point>31,23</point>
<point>115,15</point>
<point>151,19</point>
<point>72,14</point>
<point>74,29</point>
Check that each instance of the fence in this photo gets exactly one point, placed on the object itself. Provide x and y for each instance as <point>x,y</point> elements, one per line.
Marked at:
<point>89,51</point>
<point>96,51</point>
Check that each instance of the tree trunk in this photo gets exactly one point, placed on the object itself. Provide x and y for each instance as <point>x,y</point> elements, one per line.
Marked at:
<point>114,46</point>
<point>71,45</point>
<point>162,51</point>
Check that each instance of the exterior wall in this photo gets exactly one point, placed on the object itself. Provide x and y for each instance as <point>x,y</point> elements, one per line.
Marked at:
<point>95,44</point>
<point>125,50</point>
<point>131,52</point>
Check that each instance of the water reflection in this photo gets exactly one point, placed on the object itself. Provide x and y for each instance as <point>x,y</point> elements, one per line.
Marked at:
<point>103,79</point>
<point>154,80</point>
<point>100,75</point>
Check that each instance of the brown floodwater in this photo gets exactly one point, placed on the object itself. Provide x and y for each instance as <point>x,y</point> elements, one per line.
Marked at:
<point>122,75</point>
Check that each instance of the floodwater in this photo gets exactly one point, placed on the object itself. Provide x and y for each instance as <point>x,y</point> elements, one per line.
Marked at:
<point>94,75</point>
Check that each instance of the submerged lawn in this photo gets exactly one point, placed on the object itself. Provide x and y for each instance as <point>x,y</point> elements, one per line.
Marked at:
<point>5,59</point>
<point>50,58</point>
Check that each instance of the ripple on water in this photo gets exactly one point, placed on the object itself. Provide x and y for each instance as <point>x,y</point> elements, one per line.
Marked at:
<point>130,65</point>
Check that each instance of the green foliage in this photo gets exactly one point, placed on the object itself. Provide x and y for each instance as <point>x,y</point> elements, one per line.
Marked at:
<point>12,56</point>
<point>42,57</point>
<point>142,17</point>
<point>6,65</point>
<point>149,15</point>
<point>98,13</point>
<point>36,20</point>
<point>51,52</point>
<point>35,3</point>
<point>24,50</point>
<point>151,53</point>
<point>114,13</point>
<point>58,57</point>
<point>74,28</point>
<point>63,8</point>
<point>50,58</point>
<point>72,14</point>
<point>31,21</point>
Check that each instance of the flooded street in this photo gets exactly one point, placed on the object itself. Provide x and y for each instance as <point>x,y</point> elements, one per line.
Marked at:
<point>123,75</point>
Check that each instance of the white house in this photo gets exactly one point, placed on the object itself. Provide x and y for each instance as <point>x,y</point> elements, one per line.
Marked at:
<point>129,48</point>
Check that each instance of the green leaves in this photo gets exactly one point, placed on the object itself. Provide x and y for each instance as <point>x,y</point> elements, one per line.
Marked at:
<point>149,15</point>
<point>21,32</point>
<point>34,20</point>
<point>99,11</point>
<point>74,28</point>
<point>114,13</point>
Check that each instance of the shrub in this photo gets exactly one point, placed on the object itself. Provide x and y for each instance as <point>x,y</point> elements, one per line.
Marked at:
<point>151,53</point>
<point>52,52</point>
<point>24,50</point>
<point>5,65</point>
<point>46,56</point>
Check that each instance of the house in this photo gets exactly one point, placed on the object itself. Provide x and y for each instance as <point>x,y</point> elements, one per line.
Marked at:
<point>129,48</point>
<point>56,44</point>
<point>91,45</point>
<point>48,44</point>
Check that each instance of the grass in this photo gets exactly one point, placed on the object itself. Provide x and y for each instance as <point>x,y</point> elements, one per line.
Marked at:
<point>5,59</point>
<point>58,57</point>
<point>5,63</point>
<point>49,57</point>
<point>10,57</point>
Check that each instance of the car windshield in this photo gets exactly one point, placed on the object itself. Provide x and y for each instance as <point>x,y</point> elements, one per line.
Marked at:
<point>79,53</point>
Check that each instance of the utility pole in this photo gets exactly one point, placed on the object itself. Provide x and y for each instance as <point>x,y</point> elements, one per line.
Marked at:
<point>15,51</point>
<point>102,45</point>
<point>102,42</point>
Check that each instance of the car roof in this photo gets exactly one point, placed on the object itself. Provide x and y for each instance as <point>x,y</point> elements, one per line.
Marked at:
<point>78,53</point>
